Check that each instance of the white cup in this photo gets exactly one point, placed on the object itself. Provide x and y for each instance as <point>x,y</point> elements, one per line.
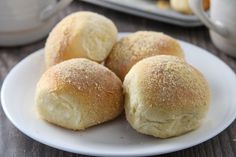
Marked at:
<point>25,21</point>
<point>222,23</point>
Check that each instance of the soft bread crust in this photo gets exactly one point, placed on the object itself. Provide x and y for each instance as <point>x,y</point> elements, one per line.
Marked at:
<point>182,6</point>
<point>79,93</point>
<point>80,35</point>
<point>134,47</point>
<point>165,96</point>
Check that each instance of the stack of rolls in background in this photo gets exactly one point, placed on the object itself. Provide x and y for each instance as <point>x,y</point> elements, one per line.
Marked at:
<point>180,6</point>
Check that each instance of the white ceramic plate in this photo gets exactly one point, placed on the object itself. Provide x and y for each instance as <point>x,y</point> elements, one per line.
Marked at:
<point>117,138</point>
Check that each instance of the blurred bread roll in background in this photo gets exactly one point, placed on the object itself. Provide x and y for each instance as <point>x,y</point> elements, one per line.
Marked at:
<point>182,6</point>
<point>79,93</point>
<point>165,96</point>
<point>82,34</point>
<point>134,47</point>
<point>163,4</point>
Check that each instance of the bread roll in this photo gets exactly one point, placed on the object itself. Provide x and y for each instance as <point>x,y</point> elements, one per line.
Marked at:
<point>79,93</point>
<point>163,4</point>
<point>182,6</point>
<point>137,46</point>
<point>82,34</point>
<point>165,96</point>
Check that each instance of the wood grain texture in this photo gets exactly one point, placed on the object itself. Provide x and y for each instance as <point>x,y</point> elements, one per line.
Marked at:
<point>15,144</point>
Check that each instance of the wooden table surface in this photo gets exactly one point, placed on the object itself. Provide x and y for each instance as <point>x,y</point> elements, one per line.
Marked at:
<point>13,143</point>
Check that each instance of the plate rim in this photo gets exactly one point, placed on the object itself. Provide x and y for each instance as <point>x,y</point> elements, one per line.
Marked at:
<point>210,135</point>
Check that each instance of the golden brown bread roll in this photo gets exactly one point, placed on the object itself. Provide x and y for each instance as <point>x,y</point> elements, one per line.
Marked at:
<point>163,4</point>
<point>182,6</point>
<point>82,34</point>
<point>134,47</point>
<point>79,93</point>
<point>165,96</point>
